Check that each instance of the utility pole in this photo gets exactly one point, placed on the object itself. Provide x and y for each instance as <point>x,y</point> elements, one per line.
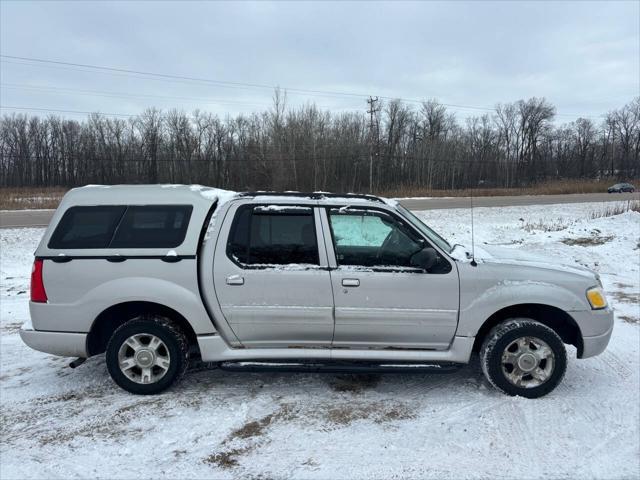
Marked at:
<point>613,149</point>
<point>373,110</point>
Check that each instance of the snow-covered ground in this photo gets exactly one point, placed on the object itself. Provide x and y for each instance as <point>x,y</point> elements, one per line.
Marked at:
<point>56,422</point>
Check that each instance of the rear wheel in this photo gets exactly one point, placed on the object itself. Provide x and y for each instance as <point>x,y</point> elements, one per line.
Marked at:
<point>523,357</point>
<point>147,355</point>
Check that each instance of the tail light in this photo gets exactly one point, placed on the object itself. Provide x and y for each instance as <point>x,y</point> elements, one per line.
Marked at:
<point>38,293</point>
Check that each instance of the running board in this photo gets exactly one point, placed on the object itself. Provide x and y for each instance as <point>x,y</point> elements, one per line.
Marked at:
<point>213,348</point>
<point>339,367</point>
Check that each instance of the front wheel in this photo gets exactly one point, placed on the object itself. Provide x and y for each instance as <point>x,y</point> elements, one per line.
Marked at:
<point>523,357</point>
<point>147,354</point>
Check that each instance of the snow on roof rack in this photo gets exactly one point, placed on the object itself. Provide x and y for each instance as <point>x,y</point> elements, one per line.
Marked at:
<point>313,195</point>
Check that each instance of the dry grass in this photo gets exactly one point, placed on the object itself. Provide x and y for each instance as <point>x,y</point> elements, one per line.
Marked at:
<point>558,187</point>
<point>593,241</point>
<point>541,225</point>
<point>629,319</point>
<point>610,211</point>
<point>23,198</point>
<point>562,224</point>
<point>624,297</point>
<point>354,383</point>
<point>379,412</point>
<point>229,456</point>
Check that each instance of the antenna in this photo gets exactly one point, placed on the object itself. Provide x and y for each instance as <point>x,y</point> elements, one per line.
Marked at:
<point>473,242</point>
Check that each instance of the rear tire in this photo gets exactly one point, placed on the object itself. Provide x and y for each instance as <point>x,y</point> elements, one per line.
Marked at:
<point>147,355</point>
<point>523,357</point>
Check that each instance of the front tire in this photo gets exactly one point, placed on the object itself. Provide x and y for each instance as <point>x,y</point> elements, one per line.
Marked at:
<point>147,355</point>
<point>523,357</point>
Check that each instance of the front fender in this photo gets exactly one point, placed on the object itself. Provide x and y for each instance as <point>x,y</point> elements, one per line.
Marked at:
<point>477,306</point>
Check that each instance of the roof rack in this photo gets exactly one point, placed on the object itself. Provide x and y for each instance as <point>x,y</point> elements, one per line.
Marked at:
<point>312,195</point>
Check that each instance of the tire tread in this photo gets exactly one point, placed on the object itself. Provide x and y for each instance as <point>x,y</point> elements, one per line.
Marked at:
<point>502,329</point>
<point>166,324</point>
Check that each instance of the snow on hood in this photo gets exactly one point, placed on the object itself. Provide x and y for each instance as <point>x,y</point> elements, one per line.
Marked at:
<point>493,252</point>
<point>517,257</point>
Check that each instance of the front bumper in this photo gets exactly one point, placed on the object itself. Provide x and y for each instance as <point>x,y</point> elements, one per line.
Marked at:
<point>592,346</point>
<point>64,344</point>
<point>596,327</point>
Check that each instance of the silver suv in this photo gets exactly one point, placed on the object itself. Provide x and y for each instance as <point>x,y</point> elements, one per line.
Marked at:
<point>158,276</point>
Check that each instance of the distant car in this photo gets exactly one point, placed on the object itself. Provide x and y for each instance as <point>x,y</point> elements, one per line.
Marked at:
<point>621,187</point>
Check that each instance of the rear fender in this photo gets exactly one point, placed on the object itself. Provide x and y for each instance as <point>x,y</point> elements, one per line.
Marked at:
<point>80,315</point>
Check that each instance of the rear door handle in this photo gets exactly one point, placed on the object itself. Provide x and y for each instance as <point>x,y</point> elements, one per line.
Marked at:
<point>350,282</point>
<point>235,280</point>
<point>116,259</point>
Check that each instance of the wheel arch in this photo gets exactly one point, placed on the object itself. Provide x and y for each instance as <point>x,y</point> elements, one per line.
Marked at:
<point>555,318</point>
<point>113,317</point>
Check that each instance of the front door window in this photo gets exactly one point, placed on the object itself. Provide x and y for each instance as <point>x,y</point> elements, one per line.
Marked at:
<point>374,238</point>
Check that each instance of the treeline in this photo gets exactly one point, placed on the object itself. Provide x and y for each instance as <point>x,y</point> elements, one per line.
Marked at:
<point>398,146</point>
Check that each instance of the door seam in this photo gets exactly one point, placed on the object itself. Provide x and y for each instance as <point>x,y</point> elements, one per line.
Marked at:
<point>329,270</point>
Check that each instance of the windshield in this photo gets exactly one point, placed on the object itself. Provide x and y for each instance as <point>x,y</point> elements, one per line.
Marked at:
<point>420,225</point>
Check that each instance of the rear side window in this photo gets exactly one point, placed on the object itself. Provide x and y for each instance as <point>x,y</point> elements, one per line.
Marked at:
<point>273,235</point>
<point>159,226</point>
<point>152,226</point>
<point>87,227</point>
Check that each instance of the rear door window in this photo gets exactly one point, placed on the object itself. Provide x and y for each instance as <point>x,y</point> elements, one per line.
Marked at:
<point>267,235</point>
<point>153,226</point>
<point>87,227</point>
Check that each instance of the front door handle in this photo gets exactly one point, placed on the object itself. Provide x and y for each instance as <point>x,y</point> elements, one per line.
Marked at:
<point>350,282</point>
<point>235,280</point>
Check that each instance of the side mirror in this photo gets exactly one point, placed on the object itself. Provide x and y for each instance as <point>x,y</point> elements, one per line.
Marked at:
<point>425,258</point>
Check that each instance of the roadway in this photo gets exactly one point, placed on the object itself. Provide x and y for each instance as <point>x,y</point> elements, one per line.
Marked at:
<point>41,218</point>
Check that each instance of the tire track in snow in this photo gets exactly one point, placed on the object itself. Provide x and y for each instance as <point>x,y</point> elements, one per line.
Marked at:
<point>614,364</point>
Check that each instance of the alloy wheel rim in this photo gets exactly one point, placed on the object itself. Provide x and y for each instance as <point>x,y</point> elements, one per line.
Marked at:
<point>144,358</point>
<point>528,362</point>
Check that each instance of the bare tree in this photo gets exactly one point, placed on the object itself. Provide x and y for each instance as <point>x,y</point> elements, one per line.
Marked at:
<point>309,149</point>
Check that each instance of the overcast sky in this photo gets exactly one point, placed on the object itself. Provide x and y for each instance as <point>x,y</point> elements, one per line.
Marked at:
<point>581,56</point>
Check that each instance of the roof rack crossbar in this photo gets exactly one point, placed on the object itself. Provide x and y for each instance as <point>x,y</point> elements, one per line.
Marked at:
<point>312,195</point>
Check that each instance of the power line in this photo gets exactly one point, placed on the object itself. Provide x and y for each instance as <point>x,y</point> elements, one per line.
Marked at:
<point>106,94</point>
<point>53,110</point>
<point>102,93</point>
<point>183,77</point>
<point>225,83</point>
<point>79,112</point>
